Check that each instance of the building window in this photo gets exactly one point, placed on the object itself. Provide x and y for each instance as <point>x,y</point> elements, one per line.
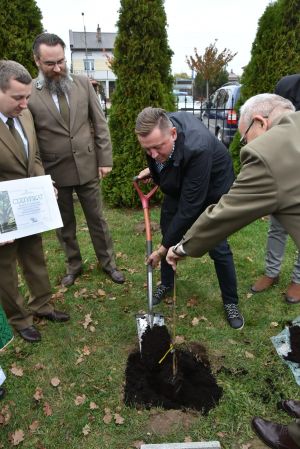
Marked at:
<point>88,65</point>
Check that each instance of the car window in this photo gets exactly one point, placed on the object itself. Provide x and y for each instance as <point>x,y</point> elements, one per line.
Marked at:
<point>221,98</point>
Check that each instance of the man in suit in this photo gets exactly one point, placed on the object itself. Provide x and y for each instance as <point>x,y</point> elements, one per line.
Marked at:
<point>193,170</point>
<point>268,182</point>
<point>280,436</point>
<point>20,159</point>
<point>73,152</point>
<point>288,87</point>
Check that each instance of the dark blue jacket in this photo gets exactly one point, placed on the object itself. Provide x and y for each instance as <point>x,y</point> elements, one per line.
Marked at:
<point>198,174</point>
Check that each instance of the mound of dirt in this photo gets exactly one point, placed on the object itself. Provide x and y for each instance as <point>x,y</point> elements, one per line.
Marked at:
<point>153,382</point>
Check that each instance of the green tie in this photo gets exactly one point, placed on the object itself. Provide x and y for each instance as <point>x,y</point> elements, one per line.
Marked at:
<point>11,124</point>
<point>64,108</point>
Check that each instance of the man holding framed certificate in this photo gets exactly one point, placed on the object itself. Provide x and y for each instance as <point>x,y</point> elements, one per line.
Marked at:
<point>20,159</point>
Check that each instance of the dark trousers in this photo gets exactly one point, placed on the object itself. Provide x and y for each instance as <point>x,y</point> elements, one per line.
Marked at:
<point>225,270</point>
<point>91,203</point>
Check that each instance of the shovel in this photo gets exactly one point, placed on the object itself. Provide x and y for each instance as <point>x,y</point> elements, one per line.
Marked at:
<point>150,318</point>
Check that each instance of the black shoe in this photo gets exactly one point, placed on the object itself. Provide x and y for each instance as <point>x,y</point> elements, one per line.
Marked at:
<point>116,276</point>
<point>69,279</point>
<point>55,315</point>
<point>233,315</point>
<point>161,292</point>
<point>30,334</point>
<point>2,393</point>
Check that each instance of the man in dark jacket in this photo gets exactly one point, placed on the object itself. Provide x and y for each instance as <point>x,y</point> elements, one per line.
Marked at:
<point>193,170</point>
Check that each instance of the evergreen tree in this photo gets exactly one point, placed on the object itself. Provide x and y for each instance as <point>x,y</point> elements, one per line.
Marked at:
<point>20,23</point>
<point>275,53</point>
<point>142,62</point>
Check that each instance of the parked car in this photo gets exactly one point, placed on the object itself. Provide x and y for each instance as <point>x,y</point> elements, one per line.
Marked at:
<point>186,103</point>
<point>219,114</point>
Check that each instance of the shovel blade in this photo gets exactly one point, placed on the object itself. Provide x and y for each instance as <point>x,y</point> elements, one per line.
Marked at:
<point>145,320</point>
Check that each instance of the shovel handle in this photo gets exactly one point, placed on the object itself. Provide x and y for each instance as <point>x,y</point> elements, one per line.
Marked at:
<point>144,198</point>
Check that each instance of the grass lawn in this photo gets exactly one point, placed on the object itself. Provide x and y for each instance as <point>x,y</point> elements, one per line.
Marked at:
<point>67,391</point>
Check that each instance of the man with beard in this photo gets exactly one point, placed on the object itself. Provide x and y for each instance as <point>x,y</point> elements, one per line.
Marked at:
<point>64,107</point>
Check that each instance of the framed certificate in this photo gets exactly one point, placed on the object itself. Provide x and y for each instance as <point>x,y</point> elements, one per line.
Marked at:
<point>27,206</point>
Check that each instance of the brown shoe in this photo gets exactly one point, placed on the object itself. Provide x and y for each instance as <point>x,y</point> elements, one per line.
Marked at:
<point>116,275</point>
<point>273,435</point>
<point>291,407</point>
<point>292,295</point>
<point>263,283</point>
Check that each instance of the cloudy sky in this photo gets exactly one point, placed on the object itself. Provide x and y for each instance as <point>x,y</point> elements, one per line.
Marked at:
<point>191,23</point>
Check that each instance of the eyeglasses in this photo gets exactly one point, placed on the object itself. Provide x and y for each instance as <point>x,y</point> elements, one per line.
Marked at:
<point>53,63</point>
<point>243,139</point>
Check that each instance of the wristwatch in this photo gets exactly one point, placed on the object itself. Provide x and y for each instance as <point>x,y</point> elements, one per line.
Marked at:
<point>179,251</point>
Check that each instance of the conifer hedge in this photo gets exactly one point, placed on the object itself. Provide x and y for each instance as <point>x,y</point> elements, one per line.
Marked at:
<point>142,64</point>
<point>275,53</point>
<point>20,23</point>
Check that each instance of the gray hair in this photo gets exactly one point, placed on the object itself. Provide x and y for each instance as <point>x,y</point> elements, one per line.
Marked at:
<point>266,105</point>
<point>12,70</point>
<point>150,118</point>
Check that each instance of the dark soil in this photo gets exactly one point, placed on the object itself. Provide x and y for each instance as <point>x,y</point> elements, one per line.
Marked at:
<point>153,384</point>
<point>294,354</point>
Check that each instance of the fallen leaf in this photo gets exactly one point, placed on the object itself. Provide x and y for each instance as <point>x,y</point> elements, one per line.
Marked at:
<point>249,259</point>
<point>192,302</point>
<point>80,399</point>
<point>34,426</point>
<point>195,321</point>
<point>79,360</point>
<point>38,395</point>
<point>101,292</point>
<point>232,342</point>
<point>55,381</point>
<point>203,318</point>
<point>274,324</point>
<point>17,437</point>
<point>82,293</point>
<point>249,295</point>
<point>137,444</point>
<point>249,355</point>
<point>179,339</point>
<point>86,430</point>
<point>107,418</point>
<point>92,329</point>
<point>221,434</point>
<point>118,419</point>
<point>39,366</point>
<point>188,440</point>
<point>16,370</point>
<point>87,320</point>
<point>93,406</point>
<point>47,409</point>
<point>86,350</point>
<point>246,446</point>
<point>182,316</point>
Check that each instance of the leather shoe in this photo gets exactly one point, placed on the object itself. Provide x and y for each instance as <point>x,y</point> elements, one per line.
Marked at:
<point>2,393</point>
<point>116,276</point>
<point>55,315</point>
<point>273,435</point>
<point>30,334</point>
<point>292,295</point>
<point>291,407</point>
<point>69,279</point>
<point>263,283</point>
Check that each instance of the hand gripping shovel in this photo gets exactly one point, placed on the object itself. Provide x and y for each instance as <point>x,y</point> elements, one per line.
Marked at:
<point>150,318</point>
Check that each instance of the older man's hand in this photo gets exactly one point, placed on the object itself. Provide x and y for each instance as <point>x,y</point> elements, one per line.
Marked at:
<point>173,258</point>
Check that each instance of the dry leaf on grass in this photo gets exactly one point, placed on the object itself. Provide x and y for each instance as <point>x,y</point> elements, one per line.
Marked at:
<point>274,324</point>
<point>249,259</point>
<point>17,437</point>
<point>34,426</point>
<point>179,339</point>
<point>39,366</point>
<point>107,419</point>
<point>86,350</point>
<point>55,381</point>
<point>188,440</point>
<point>5,415</point>
<point>249,355</point>
<point>38,395</point>
<point>246,446</point>
<point>192,302</point>
<point>137,444</point>
<point>101,292</point>
<point>79,360</point>
<point>249,295</point>
<point>92,329</point>
<point>118,419</point>
<point>87,320</point>
<point>86,430</point>
<point>79,400</point>
<point>16,370</point>
<point>93,406</point>
<point>47,409</point>
<point>195,321</point>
